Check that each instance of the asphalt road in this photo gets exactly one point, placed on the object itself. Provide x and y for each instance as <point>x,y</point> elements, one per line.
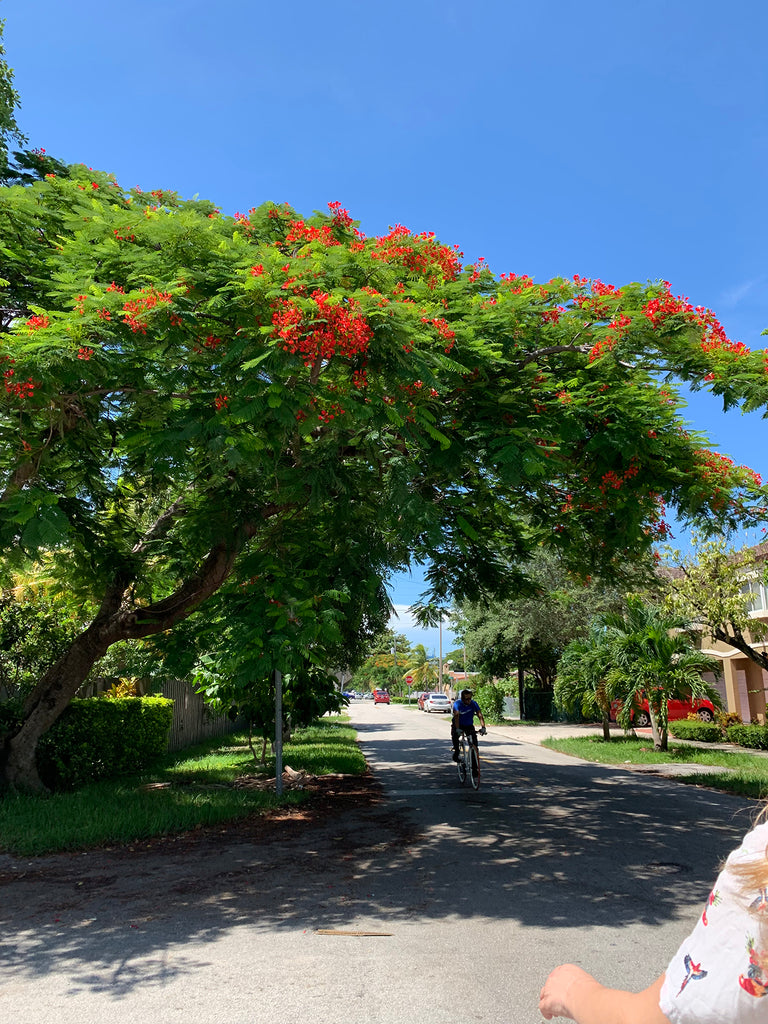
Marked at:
<point>468,898</point>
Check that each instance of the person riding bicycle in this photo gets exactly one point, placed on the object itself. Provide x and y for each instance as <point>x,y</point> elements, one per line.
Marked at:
<point>464,711</point>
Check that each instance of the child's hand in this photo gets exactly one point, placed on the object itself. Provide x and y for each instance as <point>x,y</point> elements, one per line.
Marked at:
<point>556,997</point>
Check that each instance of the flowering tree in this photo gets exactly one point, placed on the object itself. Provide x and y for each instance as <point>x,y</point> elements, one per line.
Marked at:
<point>191,402</point>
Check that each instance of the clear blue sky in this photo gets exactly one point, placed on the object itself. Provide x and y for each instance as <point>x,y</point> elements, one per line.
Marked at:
<point>621,140</point>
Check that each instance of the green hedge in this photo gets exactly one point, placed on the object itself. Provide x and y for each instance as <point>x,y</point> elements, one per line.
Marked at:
<point>96,738</point>
<point>702,732</point>
<point>755,736</point>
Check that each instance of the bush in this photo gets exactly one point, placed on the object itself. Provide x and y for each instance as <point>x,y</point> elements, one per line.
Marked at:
<point>491,701</point>
<point>755,736</point>
<point>702,732</point>
<point>725,719</point>
<point>97,738</point>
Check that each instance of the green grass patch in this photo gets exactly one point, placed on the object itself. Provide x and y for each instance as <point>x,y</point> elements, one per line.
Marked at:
<point>187,789</point>
<point>747,775</point>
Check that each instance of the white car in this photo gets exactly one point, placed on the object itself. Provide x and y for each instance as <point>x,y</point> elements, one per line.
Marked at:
<point>437,702</point>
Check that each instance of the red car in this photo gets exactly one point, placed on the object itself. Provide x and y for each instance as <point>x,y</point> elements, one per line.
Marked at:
<point>380,697</point>
<point>676,708</point>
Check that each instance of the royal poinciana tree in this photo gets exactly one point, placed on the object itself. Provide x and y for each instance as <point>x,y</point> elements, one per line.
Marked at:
<point>193,401</point>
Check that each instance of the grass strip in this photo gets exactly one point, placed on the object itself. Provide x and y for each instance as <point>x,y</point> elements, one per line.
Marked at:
<point>747,774</point>
<point>187,789</point>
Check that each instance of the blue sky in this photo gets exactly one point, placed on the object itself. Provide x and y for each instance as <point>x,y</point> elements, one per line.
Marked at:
<point>621,140</point>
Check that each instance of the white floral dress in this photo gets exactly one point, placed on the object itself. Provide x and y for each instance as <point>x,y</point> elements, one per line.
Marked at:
<point>720,973</point>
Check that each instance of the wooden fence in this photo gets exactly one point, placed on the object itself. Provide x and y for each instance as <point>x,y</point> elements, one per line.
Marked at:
<point>192,720</point>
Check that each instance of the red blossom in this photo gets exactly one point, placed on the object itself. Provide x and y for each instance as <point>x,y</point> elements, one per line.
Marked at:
<point>38,323</point>
<point>332,329</point>
<point>84,353</point>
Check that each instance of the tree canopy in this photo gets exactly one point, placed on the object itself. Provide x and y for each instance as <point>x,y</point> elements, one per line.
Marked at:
<point>198,404</point>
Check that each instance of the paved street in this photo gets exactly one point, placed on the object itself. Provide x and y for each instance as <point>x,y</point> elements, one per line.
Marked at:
<point>461,891</point>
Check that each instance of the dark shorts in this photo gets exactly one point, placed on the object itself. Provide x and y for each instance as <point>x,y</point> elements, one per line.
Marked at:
<point>468,729</point>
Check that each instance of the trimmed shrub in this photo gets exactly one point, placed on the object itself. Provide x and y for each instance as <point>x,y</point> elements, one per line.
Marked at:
<point>755,736</point>
<point>702,732</point>
<point>97,738</point>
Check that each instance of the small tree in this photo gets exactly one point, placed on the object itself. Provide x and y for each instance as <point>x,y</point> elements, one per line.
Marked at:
<point>653,656</point>
<point>582,677</point>
<point>711,586</point>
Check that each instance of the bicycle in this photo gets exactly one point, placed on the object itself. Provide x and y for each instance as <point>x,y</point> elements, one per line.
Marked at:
<point>468,764</point>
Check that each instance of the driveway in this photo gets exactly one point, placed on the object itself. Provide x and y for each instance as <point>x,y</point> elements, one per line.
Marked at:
<point>432,901</point>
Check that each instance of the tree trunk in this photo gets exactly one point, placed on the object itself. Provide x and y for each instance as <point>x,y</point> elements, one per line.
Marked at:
<point>60,683</point>
<point>606,727</point>
<point>47,701</point>
<point>660,736</point>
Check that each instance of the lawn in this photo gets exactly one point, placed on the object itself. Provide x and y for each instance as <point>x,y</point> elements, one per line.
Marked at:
<point>747,774</point>
<point>187,789</point>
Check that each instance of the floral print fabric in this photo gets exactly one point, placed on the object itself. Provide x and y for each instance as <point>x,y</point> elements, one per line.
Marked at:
<point>720,973</point>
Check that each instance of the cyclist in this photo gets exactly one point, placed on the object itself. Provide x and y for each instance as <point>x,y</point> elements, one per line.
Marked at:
<point>464,711</point>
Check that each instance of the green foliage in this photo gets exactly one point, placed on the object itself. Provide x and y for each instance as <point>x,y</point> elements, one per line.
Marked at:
<point>491,700</point>
<point>653,656</point>
<point>755,736</point>
<point>582,675</point>
<point>703,732</point>
<point>280,412</point>
<point>714,586</point>
<point>551,608</point>
<point>34,631</point>
<point>99,738</point>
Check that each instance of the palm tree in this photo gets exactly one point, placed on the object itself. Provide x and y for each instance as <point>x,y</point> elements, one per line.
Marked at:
<point>653,656</point>
<point>421,669</point>
<point>582,672</point>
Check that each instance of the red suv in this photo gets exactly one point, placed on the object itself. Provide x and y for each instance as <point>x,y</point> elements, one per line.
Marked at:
<point>676,708</point>
<point>380,697</point>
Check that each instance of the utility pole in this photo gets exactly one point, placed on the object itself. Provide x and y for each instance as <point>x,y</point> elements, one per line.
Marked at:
<point>440,662</point>
<point>278,732</point>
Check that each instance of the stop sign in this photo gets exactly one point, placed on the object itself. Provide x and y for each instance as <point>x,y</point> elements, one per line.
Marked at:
<point>409,680</point>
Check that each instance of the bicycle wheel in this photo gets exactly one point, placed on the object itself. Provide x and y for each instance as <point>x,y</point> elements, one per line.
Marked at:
<point>474,766</point>
<point>461,764</point>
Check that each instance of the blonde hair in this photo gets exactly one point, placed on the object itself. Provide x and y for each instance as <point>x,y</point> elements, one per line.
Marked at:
<point>754,876</point>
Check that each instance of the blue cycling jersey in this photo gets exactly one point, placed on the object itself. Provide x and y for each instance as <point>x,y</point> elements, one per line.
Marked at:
<point>466,712</point>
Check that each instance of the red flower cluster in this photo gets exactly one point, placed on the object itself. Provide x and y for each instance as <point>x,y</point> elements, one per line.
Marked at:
<point>84,353</point>
<point>38,323</point>
<point>713,336</point>
<point>443,329</point>
<point>213,342</point>
<point>421,254</point>
<point>21,389</point>
<point>615,480</point>
<point>332,329</point>
<point>341,218</point>
<point>220,401</point>
<point>135,308</point>
<point>300,231</point>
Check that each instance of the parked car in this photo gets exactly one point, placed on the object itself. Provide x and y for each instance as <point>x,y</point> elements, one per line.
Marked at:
<point>437,702</point>
<point>422,697</point>
<point>380,697</point>
<point>641,717</point>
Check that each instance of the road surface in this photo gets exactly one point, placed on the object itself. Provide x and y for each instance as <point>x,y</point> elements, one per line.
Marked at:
<point>439,903</point>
